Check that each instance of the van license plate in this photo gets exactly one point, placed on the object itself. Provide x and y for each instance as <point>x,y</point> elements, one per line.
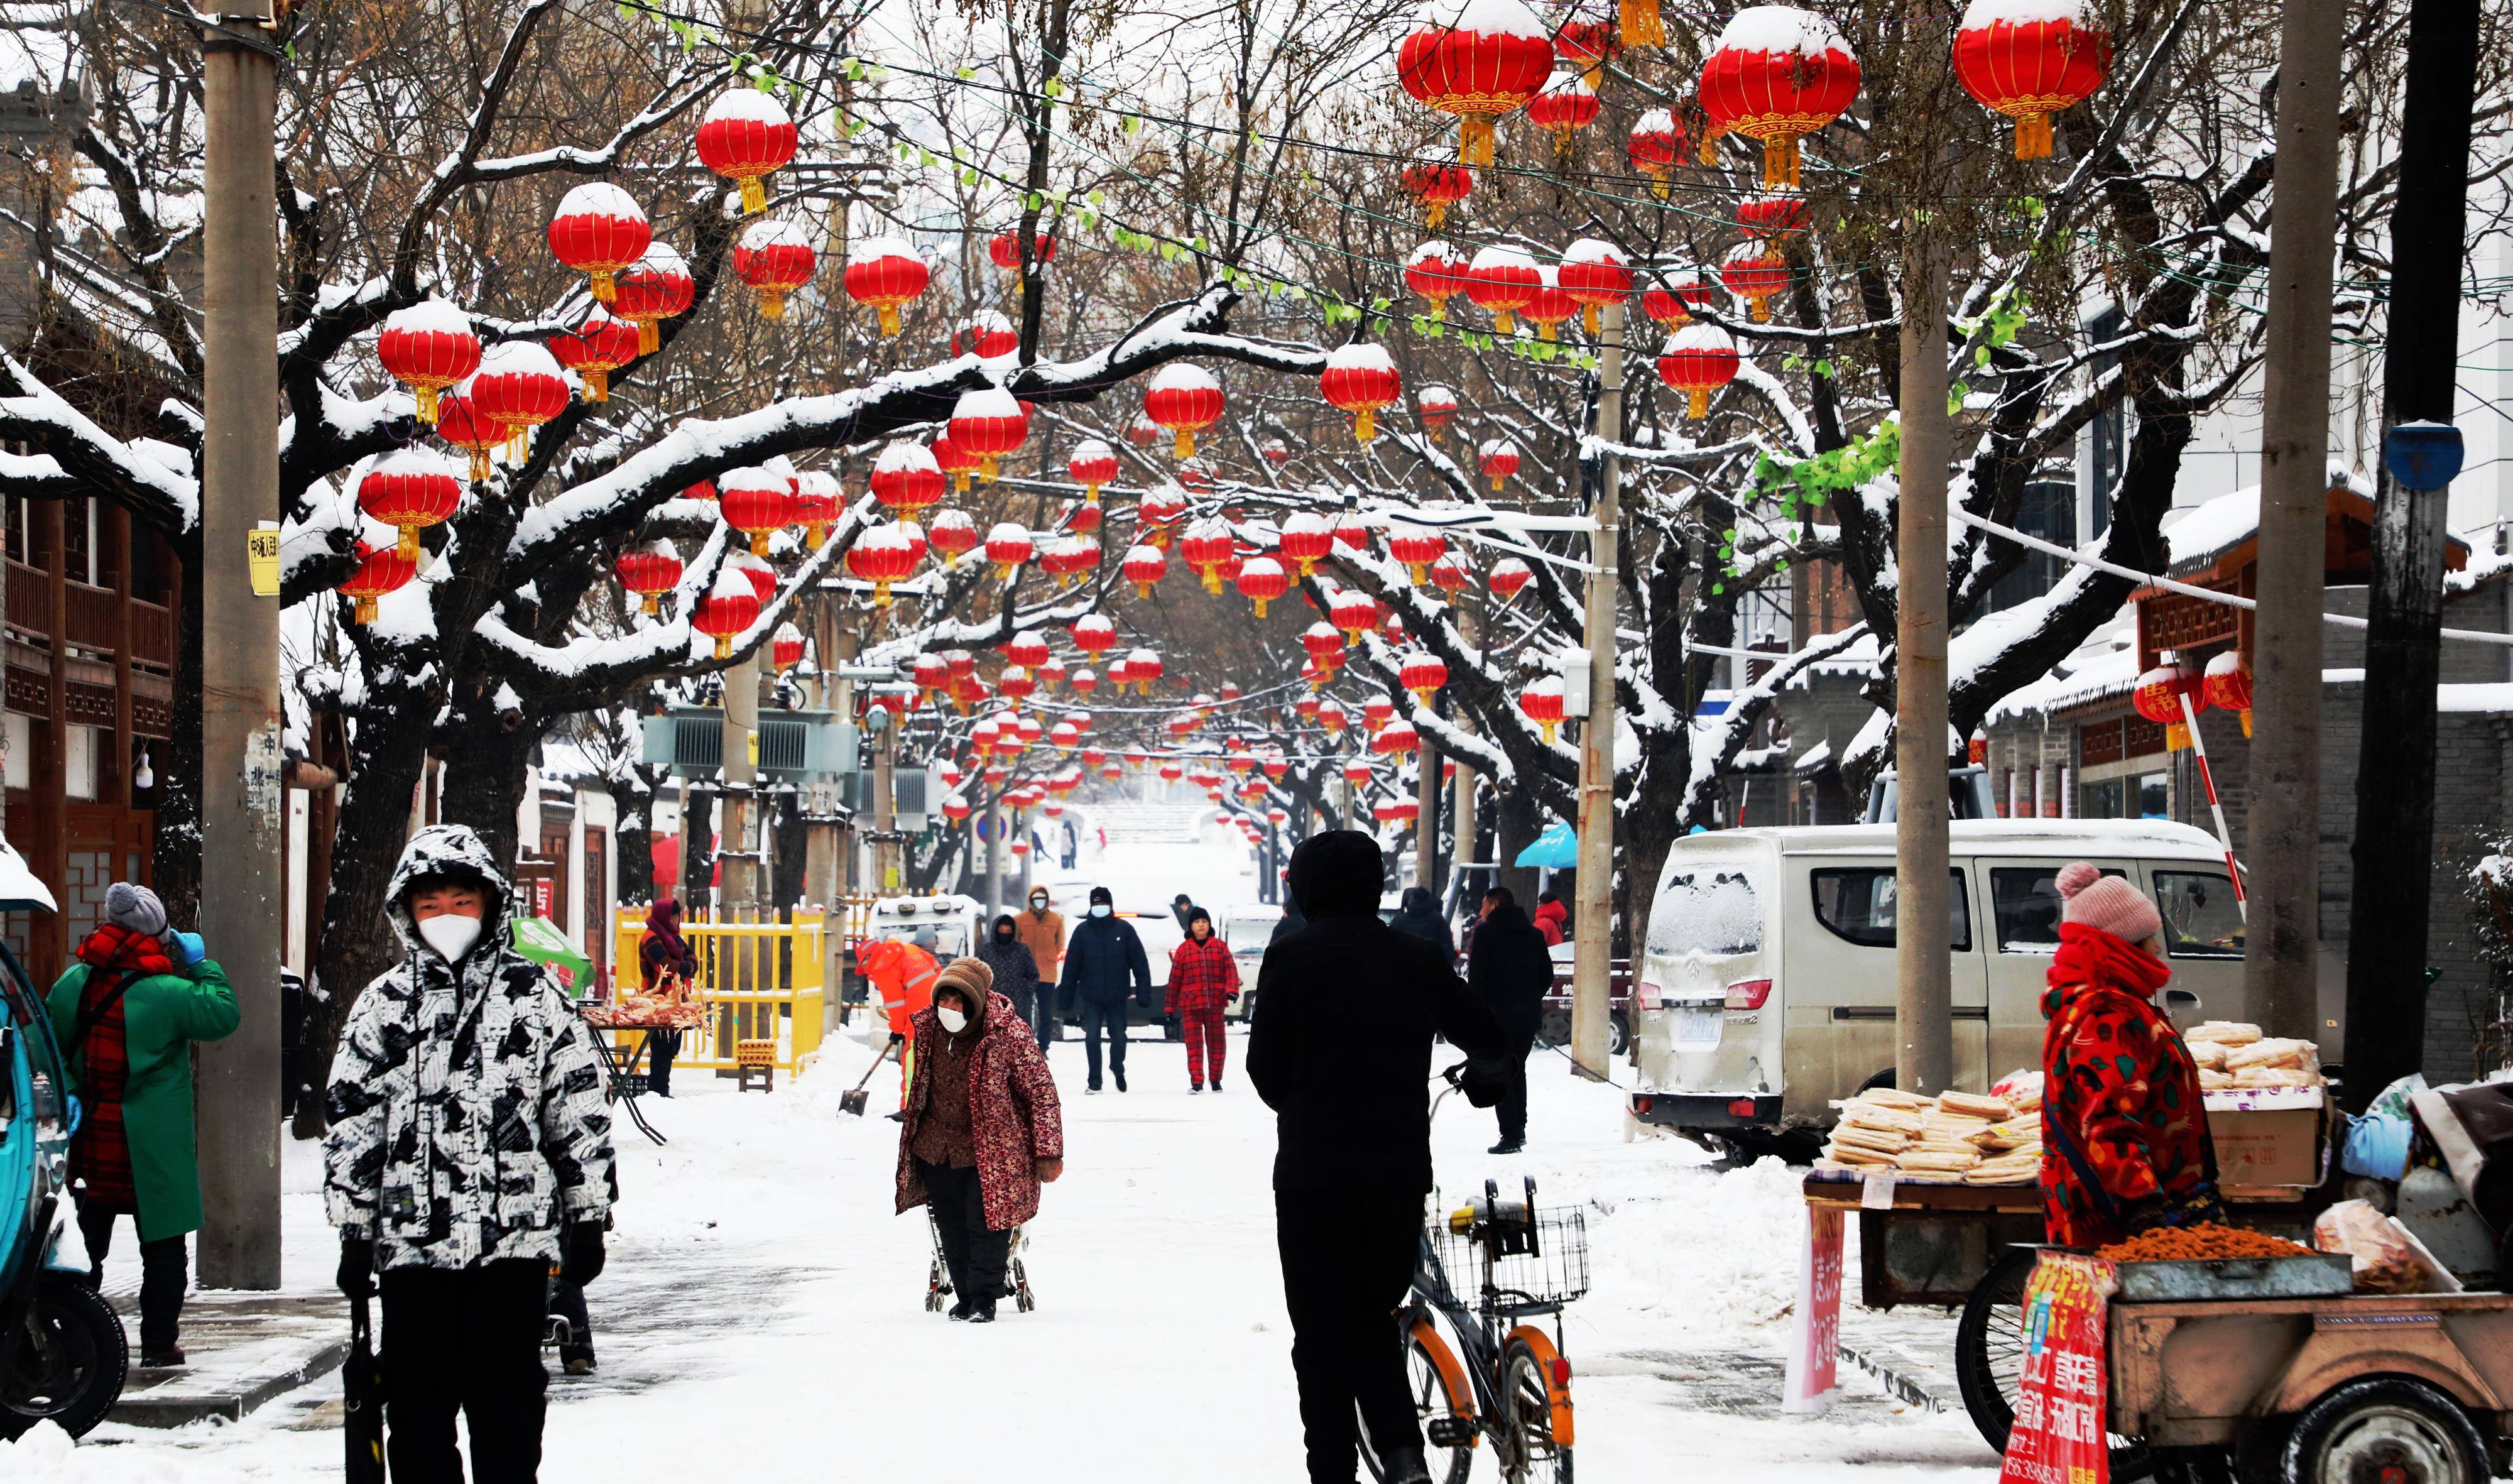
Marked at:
<point>1698,1025</point>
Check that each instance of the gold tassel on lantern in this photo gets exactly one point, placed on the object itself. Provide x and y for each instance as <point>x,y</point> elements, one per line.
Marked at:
<point>407,546</point>
<point>2247,722</point>
<point>890,319</point>
<point>479,466</point>
<point>1365,426</point>
<point>1589,318</point>
<point>1700,403</point>
<point>1710,145</point>
<point>2033,136</point>
<point>650,336</point>
<point>754,198</point>
<point>1183,445</point>
<point>597,384</point>
<point>1780,162</point>
<point>2177,737</point>
<point>1641,25</point>
<point>772,304</point>
<point>1502,324</point>
<point>1474,139</point>
<point>1438,214</point>
<point>427,405</point>
<point>603,290</point>
<point>1761,309</point>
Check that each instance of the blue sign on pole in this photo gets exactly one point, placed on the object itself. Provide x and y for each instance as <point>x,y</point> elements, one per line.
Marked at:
<point>2423,456</point>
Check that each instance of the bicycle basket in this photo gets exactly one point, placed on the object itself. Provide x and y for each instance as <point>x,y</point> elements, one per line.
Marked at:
<point>1556,1272</point>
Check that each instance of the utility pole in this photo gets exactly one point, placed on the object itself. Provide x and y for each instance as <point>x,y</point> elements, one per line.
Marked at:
<point>999,826</point>
<point>2395,773</point>
<point>737,816</point>
<point>885,812</point>
<point>1426,818</point>
<point>1593,912</point>
<point>240,767</point>
<point>1924,1051</point>
<point>2284,845</point>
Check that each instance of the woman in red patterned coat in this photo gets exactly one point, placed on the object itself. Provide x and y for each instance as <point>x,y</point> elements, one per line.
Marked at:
<point>979,1131</point>
<point>1204,978</point>
<point>2124,1135</point>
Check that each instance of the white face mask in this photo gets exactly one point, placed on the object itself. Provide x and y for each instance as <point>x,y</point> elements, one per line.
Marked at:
<point>1099,909</point>
<point>951,1020</point>
<point>1038,903</point>
<point>451,935</point>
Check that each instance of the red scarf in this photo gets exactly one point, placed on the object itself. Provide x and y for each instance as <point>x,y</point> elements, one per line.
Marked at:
<point>115,948</point>
<point>2092,957</point>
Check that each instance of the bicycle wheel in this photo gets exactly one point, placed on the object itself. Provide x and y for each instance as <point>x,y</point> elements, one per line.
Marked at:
<point>1989,1360</point>
<point>1426,1379</point>
<point>1526,1402</point>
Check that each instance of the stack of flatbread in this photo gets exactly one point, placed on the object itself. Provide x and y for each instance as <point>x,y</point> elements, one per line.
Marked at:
<point>1874,1130</point>
<point>2010,1152</point>
<point>2234,1055</point>
<point>1943,1139</point>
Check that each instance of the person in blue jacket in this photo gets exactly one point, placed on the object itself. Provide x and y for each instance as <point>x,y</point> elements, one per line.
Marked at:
<point>1104,969</point>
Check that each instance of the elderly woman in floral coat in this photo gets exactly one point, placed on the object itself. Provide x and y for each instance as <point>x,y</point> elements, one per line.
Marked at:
<point>981,1130</point>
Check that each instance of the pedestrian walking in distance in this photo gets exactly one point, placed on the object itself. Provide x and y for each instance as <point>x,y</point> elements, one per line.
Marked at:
<point>1204,978</point>
<point>663,953</point>
<point>982,1131</point>
<point>1105,971</point>
<point>1552,919</point>
<point>1042,931</point>
<point>1418,916</point>
<point>128,1014</point>
<point>1509,973</point>
<point>1346,1006</point>
<point>469,1151</point>
<point>1015,971</point>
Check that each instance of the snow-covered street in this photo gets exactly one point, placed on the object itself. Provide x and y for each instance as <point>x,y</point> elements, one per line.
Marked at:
<point>763,1319</point>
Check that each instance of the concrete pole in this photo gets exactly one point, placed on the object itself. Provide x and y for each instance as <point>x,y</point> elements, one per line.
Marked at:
<point>2284,852</point>
<point>995,854</point>
<point>737,816</point>
<point>1593,913</point>
<point>885,813</point>
<point>1426,821</point>
<point>1924,995</point>
<point>241,900</point>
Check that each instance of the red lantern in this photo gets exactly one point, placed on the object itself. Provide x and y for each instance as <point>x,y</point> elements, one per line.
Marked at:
<point>1352,532</point>
<point>1004,250</point>
<point>1324,644</point>
<point>1418,549</point>
<point>1778,74</point>
<point>1498,459</point>
<point>1587,41</point>
<point>1066,557</point>
<point>1358,773</point>
<point>1092,464</point>
<point>2227,684</point>
<point>1185,398</point>
<point>381,570</point>
<point>1397,738</point>
<point>1437,273</point>
<point>1015,684</point>
<point>881,556</point>
<point>1093,634</point>
<point>1205,545</point>
<point>1376,712</point>
<point>2028,62</point>
<point>1084,681</point>
<point>1142,671</point>
<point>1673,304</point>
<point>775,258</point>
<point>461,422</point>
<point>1143,433</point>
<point>1262,580</point>
<point>1437,185</point>
<point>1566,104</point>
<point>410,490</point>
<point>1007,546</point>
<point>985,334</point>
<point>1144,566</point>
<point>1551,306</point>
<point>1332,717</point>
<point>1476,60</point>
<point>1361,378</point>
<point>817,496</point>
<point>1541,701</point>
<point>1503,279</point>
<point>953,460</point>
<point>600,344</point>
<point>656,287</point>
<point>2158,697</point>
<point>785,650</point>
<point>1656,147</point>
<point>1699,360</point>
<point>728,610</point>
<point>1423,673</point>
<point>1755,273</point>
<point>988,424</point>
<point>1305,538</point>
<point>933,676</point>
<point>756,502</point>
<point>905,479</point>
<point>954,535</point>
<point>650,571</point>
<point>1025,649</point>
<point>761,576</point>
<point>886,273</point>
<point>744,136</point>
<point>1509,577</point>
<point>427,347</point>
<point>1353,612</point>
<point>1450,575</point>
<point>1595,273</point>
<point>1437,407</point>
<point>1773,218</point>
<point>519,386</point>
<point>597,230</point>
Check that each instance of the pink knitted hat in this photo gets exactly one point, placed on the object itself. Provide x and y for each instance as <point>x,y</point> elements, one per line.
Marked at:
<point>2108,902</point>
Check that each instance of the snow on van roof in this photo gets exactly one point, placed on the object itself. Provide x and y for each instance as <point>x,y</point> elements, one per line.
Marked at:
<point>1979,837</point>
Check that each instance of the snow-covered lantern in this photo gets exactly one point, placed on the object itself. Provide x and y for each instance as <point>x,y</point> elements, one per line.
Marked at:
<point>1542,703</point>
<point>1566,104</point>
<point>1551,306</point>
<point>775,258</point>
<point>2227,684</point>
<point>1655,146</point>
<point>1015,684</point>
<point>1353,612</point>
<point>1450,575</point>
<point>461,422</point>
<point>649,570</point>
<point>887,274</point>
<point>1423,673</point>
<point>410,490</point>
<point>1093,635</point>
<point>954,535</point>
<point>905,479</point>
<point>1262,579</point>
<point>881,556</point>
<point>1144,566</point>
<point>1774,216</point>
<point>427,347</point>
<point>1185,399</point>
<point>2030,59</point>
<point>1756,275</point>
<point>785,650</point>
<point>744,136</point>
<point>816,504</point>
<point>656,287</point>
<point>1007,546</point>
<point>1501,280</point>
<point>729,606</point>
<point>1777,73</point>
<point>1437,407</point>
<point>597,230</point>
<point>1475,60</point>
<point>1509,577</point>
<point>953,460</point>
<point>1090,464</point>
<point>2159,695</point>
<point>1438,185</point>
<point>1595,273</point>
<point>1496,459</point>
<point>519,386</point>
<point>1361,378</point>
<point>756,502</point>
<point>1417,548</point>
<point>1161,511</point>
<point>985,334</point>
<point>1437,273</point>
<point>1207,544</point>
<point>1305,538</point>
<point>1699,360</point>
<point>601,343</point>
<point>1142,671</point>
<point>987,424</point>
<point>380,569</point>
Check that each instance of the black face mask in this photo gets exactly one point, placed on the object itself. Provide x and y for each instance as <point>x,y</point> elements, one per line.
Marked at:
<point>1003,934</point>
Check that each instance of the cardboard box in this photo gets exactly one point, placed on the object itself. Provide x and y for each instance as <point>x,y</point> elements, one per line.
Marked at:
<point>2271,1138</point>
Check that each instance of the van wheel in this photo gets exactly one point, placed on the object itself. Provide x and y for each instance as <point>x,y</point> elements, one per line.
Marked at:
<point>2386,1428</point>
<point>1618,1035</point>
<point>1744,1146</point>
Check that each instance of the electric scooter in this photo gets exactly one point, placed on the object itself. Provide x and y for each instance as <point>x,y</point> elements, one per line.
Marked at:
<point>62,1354</point>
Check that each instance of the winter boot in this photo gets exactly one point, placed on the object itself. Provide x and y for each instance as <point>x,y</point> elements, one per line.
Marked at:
<point>1195,1086</point>
<point>1404,1465</point>
<point>962,1309</point>
<point>1508,1146</point>
<point>984,1312</point>
<point>1121,1079</point>
<point>162,1360</point>
<point>580,1366</point>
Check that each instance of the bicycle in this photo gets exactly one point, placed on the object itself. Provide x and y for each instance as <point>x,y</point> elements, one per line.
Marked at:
<point>1511,1385</point>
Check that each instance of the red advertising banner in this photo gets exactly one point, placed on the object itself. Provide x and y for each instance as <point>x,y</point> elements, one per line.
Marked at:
<point>2063,1399</point>
<point>1814,1339</point>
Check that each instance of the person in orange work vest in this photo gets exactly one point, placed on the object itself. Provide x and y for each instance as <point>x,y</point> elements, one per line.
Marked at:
<point>901,976</point>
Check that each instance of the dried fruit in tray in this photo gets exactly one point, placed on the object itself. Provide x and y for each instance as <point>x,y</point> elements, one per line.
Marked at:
<point>2206,1242</point>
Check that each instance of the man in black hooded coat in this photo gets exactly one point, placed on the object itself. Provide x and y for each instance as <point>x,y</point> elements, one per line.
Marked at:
<point>1341,1050</point>
<point>1510,973</point>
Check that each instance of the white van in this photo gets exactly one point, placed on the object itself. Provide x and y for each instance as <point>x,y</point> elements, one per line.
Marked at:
<point>1769,983</point>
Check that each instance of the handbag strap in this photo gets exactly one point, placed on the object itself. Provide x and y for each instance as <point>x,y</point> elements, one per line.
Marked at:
<point>89,1019</point>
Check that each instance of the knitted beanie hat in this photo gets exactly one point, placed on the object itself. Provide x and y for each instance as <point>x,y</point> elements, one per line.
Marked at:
<point>2108,902</point>
<point>136,908</point>
<point>971,978</point>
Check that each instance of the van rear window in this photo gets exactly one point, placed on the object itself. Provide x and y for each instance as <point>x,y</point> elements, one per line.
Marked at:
<point>1706,911</point>
<point>1857,903</point>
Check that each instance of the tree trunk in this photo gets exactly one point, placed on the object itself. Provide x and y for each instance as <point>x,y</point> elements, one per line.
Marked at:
<point>177,864</point>
<point>1520,821</point>
<point>697,848</point>
<point>492,765</point>
<point>788,882</point>
<point>632,837</point>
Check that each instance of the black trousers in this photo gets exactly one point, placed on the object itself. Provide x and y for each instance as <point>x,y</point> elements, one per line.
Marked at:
<point>976,1257</point>
<point>661,1046</point>
<point>1348,1262</point>
<point>1096,1016</point>
<point>567,1302</point>
<point>466,1340</point>
<point>1512,1106</point>
<point>162,1279</point>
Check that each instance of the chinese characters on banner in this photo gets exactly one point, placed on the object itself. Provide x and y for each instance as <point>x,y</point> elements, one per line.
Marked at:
<point>1815,1339</point>
<point>2063,1396</point>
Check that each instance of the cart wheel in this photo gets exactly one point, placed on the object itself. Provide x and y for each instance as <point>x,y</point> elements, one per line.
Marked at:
<point>1534,1458</point>
<point>1989,1358</point>
<point>72,1359</point>
<point>2387,1429</point>
<point>1436,1409</point>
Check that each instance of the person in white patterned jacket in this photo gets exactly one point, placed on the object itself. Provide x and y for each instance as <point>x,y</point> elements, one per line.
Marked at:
<point>469,1151</point>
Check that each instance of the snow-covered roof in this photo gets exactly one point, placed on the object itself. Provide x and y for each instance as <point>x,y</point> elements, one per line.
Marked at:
<point>1815,757</point>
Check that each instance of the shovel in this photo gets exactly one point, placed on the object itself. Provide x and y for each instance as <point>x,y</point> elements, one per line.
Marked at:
<point>851,1101</point>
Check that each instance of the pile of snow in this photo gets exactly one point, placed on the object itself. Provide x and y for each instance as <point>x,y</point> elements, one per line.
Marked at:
<point>1718,1256</point>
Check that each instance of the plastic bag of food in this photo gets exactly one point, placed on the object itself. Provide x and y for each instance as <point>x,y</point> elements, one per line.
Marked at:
<point>2223,1032</point>
<point>2277,1052</point>
<point>2020,1090</point>
<point>2384,1258</point>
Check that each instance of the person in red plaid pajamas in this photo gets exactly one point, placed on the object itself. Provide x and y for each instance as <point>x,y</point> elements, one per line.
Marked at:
<point>1202,979</point>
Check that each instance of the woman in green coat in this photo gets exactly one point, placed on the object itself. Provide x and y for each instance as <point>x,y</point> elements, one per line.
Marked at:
<point>131,1069</point>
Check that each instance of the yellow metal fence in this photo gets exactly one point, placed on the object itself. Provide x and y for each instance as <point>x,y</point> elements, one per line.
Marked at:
<point>762,982</point>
